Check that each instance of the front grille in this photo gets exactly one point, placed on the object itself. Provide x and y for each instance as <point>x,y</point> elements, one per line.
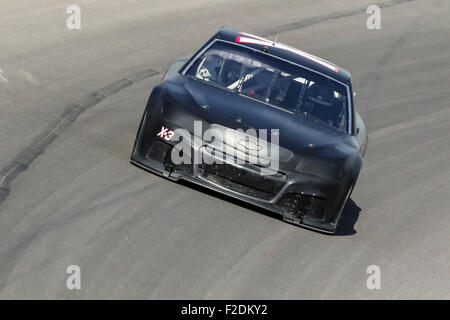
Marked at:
<point>244,180</point>
<point>231,185</point>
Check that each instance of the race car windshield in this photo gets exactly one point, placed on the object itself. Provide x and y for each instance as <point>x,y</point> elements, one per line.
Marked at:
<point>274,81</point>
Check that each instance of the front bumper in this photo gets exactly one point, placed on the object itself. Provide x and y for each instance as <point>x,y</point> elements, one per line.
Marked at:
<point>300,198</point>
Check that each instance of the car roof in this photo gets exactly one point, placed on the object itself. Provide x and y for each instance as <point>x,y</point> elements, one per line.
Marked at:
<point>284,52</point>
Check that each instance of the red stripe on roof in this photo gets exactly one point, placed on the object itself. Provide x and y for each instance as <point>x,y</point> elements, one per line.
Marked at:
<point>265,42</point>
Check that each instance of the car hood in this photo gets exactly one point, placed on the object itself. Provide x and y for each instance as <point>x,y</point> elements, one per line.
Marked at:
<point>298,135</point>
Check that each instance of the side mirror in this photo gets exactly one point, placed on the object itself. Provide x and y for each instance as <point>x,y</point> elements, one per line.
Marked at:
<point>357,131</point>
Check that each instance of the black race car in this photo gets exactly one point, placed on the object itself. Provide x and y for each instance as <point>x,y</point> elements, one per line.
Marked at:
<point>259,121</point>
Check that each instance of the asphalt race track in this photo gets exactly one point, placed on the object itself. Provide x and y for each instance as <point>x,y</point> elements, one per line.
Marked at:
<point>70,105</point>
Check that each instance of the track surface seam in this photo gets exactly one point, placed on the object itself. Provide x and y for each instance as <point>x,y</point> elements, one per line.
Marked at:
<point>24,158</point>
<point>336,15</point>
